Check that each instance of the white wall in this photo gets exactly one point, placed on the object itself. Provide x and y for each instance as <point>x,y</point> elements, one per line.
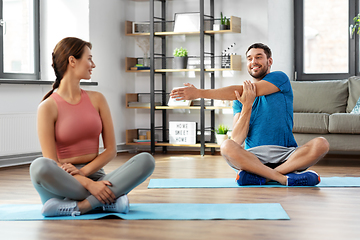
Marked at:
<point>102,22</point>
<point>60,19</point>
<point>107,34</point>
<point>281,35</point>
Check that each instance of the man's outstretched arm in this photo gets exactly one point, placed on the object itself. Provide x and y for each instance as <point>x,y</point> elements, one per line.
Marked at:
<point>190,92</point>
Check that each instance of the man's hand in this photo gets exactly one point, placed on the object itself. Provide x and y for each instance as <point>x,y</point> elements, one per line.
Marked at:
<point>190,92</point>
<point>242,120</point>
<point>248,95</point>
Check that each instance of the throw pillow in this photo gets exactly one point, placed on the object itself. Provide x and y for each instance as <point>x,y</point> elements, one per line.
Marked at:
<point>356,109</point>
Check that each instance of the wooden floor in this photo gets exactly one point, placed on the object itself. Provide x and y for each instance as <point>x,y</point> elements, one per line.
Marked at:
<point>316,213</point>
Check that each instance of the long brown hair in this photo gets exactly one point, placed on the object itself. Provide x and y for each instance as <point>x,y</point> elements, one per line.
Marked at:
<point>67,47</point>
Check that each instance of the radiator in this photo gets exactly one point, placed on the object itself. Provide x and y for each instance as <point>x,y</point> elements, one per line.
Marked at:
<point>18,134</point>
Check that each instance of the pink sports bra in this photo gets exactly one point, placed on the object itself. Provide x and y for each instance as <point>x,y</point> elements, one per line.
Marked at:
<point>77,128</point>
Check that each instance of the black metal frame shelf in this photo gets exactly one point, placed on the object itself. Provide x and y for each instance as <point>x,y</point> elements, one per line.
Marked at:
<point>235,27</point>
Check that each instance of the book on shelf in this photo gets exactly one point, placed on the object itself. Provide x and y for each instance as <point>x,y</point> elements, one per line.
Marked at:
<point>173,102</point>
<point>135,68</point>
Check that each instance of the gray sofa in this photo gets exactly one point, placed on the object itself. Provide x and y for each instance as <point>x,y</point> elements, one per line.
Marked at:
<point>322,108</point>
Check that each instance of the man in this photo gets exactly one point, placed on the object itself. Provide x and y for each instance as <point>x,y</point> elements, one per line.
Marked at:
<point>263,118</point>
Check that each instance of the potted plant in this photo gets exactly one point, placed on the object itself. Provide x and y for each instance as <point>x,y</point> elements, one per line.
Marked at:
<point>228,23</point>
<point>180,58</point>
<point>221,134</point>
<point>224,22</point>
<point>356,25</point>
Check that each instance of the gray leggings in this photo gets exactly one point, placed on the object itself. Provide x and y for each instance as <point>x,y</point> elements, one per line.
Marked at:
<point>53,182</point>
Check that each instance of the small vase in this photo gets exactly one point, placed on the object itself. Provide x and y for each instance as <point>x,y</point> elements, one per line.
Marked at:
<point>216,27</point>
<point>224,27</point>
<point>180,62</point>
<point>220,138</point>
<point>146,60</point>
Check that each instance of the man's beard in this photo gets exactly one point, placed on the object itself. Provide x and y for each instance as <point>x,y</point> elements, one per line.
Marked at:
<point>260,74</point>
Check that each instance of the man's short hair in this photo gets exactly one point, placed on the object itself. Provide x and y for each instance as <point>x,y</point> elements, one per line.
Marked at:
<point>262,46</point>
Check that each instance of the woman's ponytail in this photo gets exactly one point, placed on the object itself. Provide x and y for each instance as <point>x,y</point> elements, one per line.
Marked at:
<point>60,58</point>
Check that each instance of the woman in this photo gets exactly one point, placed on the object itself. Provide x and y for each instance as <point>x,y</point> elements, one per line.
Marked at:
<point>69,177</point>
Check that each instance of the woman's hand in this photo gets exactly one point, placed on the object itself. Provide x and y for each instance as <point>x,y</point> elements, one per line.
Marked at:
<point>71,169</point>
<point>98,189</point>
<point>185,93</point>
<point>101,191</point>
<point>248,95</point>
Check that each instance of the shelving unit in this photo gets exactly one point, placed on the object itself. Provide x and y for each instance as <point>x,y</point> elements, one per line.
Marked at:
<point>235,65</point>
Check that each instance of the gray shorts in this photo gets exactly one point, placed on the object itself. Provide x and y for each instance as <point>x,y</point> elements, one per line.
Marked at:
<point>272,155</point>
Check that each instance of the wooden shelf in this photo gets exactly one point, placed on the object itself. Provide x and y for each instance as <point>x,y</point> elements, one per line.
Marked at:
<point>133,97</point>
<point>212,145</point>
<point>130,62</point>
<point>180,107</point>
<point>132,134</point>
<point>173,108</point>
<point>207,145</point>
<point>235,65</point>
<point>177,145</point>
<point>235,27</point>
<point>216,107</point>
<point>138,107</point>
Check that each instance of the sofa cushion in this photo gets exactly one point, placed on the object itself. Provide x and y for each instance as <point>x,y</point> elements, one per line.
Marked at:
<point>344,123</point>
<point>356,109</point>
<point>320,96</point>
<point>311,123</point>
<point>354,93</point>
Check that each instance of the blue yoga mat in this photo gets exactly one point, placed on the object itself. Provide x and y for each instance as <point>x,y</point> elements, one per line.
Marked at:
<point>230,183</point>
<point>159,211</point>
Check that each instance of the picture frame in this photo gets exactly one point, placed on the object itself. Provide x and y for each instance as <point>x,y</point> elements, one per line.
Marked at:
<point>187,22</point>
<point>140,27</point>
<point>182,132</point>
<point>144,27</point>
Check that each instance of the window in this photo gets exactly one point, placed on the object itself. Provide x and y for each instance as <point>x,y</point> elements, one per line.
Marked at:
<point>324,47</point>
<point>19,39</point>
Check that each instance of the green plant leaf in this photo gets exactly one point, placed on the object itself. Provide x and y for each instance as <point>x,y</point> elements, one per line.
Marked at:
<point>222,129</point>
<point>180,52</point>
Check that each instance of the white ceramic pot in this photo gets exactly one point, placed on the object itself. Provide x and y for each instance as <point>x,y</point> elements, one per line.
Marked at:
<point>216,27</point>
<point>220,138</point>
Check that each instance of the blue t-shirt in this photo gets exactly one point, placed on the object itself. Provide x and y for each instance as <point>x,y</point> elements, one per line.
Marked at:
<point>271,120</point>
